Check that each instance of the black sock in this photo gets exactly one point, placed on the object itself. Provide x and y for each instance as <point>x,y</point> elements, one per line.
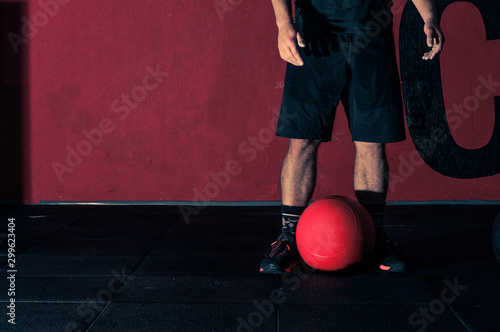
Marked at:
<point>290,217</point>
<point>377,212</point>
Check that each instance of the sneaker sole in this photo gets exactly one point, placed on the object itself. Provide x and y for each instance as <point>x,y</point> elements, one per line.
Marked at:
<point>393,269</point>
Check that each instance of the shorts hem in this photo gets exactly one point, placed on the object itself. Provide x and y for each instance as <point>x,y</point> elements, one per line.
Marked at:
<point>380,139</point>
<point>303,136</point>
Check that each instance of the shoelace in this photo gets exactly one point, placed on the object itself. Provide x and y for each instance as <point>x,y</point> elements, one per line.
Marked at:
<point>278,248</point>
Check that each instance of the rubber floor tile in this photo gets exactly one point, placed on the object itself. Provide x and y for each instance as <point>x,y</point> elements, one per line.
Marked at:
<point>200,265</point>
<point>24,222</point>
<point>222,247</point>
<point>64,289</point>
<point>80,247</point>
<point>196,289</point>
<point>478,317</point>
<point>73,266</point>
<point>482,289</point>
<point>54,317</point>
<point>388,289</point>
<point>125,221</point>
<point>363,317</point>
<point>152,317</point>
<point>25,238</point>
<point>106,233</point>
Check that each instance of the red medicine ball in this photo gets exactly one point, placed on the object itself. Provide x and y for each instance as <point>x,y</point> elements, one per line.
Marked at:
<point>334,233</point>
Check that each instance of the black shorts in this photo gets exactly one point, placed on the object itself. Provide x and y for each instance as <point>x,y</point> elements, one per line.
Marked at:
<point>359,70</point>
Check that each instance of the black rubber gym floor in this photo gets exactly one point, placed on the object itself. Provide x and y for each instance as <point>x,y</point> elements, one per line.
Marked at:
<point>149,268</point>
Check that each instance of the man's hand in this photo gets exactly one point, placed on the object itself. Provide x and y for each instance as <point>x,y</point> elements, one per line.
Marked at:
<point>289,38</point>
<point>435,38</point>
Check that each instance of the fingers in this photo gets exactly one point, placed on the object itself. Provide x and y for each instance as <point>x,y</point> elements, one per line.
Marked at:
<point>288,47</point>
<point>290,54</point>
<point>295,51</point>
<point>430,40</point>
<point>436,49</point>
<point>435,39</point>
<point>300,39</point>
<point>429,55</point>
<point>440,38</point>
<point>294,57</point>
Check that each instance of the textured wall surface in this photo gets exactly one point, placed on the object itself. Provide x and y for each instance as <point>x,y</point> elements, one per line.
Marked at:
<point>177,100</point>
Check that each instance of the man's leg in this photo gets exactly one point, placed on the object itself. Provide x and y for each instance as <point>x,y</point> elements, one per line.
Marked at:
<point>298,179</point>
<point>370,185</point>
<point>370,173</point>
<point>298,173</point>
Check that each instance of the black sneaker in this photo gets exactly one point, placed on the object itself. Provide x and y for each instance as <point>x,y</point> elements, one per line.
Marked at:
<point>281,256</point>
<point>387,255</point>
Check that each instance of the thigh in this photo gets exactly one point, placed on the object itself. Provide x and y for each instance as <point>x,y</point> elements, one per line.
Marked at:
<point>375,105</point>
<point>312,91</point>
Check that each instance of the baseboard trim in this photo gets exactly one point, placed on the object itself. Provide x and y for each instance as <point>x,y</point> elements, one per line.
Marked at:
<point>253,203</point>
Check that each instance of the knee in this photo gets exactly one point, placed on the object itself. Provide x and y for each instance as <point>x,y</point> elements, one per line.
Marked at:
<point>370,150</point>
<point>300,148</point>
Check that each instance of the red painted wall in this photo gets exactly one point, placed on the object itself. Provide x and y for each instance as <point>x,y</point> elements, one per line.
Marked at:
<point>176,100</point>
